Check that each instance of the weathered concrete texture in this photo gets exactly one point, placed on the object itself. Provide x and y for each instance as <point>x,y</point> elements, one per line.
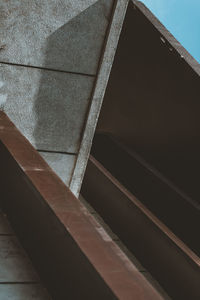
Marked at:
<point>48,107</point>
<point>63,34</point>
<point>23,292</point>
<point>62,164</point>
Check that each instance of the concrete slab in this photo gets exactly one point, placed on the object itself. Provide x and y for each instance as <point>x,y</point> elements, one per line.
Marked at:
<point>63,34</point>
<point>62,164</point>
<point>48,107</point>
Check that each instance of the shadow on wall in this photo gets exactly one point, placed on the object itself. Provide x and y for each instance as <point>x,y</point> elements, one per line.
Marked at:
<point>72,54</point>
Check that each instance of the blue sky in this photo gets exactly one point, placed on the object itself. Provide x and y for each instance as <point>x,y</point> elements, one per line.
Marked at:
<point>182,19</point>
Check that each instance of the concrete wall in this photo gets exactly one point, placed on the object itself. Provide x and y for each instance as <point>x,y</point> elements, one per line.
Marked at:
<point>49,58</point>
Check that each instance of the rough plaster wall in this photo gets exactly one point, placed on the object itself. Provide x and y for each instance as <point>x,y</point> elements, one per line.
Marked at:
<point>49,54</point>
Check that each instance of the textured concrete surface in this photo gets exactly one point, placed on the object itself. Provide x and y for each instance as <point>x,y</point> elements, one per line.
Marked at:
<point>62,164</point>
<point>48,107</point>
<point>64,34</point>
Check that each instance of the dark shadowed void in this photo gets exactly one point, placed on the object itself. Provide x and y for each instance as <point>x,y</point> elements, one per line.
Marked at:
<point>152,102</point>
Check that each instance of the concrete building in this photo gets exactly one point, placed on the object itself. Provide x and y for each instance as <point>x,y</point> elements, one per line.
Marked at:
<point>59,61</point>
<point>55,59</point>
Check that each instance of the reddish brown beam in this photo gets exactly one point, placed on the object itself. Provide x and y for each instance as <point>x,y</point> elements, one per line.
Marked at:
<point>74,256</point>
<point>168,259</point>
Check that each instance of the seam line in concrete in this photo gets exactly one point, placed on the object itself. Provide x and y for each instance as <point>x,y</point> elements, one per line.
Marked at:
<point>47,69</point>
<point>58,152</point>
